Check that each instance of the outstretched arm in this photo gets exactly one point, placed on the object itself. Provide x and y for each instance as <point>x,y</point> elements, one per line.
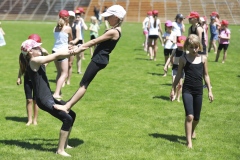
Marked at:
<point>111,34</point>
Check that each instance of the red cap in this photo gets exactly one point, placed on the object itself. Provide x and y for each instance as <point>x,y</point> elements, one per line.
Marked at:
<point>214,14</point>
<point>77,11</point>
<point>35,37</point>
<point>181,40</point>
<point>81,10</point>
<point>224,22</point>
<point>155,12</point>
<point>63,13</point>
<point>193,15</point>
<point>149,13</point>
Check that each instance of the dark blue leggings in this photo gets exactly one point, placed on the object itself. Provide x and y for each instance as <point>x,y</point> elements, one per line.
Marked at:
<point>192,105</point>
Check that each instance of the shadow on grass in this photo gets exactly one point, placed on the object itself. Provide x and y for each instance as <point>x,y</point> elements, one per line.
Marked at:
<point>160,64</point>
<point>167,84</point>
<point>146,59</point>
<point>155,74</point>
<point>17,119</point>
<point>171,138</point>
<point>49,145</point>
<point>52,80</point>
<point>162,97</point>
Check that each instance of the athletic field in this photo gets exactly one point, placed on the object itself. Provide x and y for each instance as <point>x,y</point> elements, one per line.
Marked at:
<point>126,113</point>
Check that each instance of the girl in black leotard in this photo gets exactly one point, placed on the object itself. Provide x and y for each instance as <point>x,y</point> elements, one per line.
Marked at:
<point>195,68</point>
<point>105,44</point>
<point>197,29</point>
<point>44,98</point>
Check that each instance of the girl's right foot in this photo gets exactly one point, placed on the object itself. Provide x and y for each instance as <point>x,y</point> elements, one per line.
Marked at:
<point>61,108</point>
<point>189,145</point>
<point>57,97</point>
<point>63,153</point>
<point>28,123</point>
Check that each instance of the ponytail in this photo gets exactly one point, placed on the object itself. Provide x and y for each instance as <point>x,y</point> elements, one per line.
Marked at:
<point>23,63</point>
<point>60,23</point>
<point>155,22</point>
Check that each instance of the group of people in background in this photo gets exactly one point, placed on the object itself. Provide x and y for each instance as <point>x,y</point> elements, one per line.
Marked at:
<point>218,30</point>
<point>188,57</point>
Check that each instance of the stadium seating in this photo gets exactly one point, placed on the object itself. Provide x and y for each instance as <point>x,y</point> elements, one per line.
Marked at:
<point>47,10</point>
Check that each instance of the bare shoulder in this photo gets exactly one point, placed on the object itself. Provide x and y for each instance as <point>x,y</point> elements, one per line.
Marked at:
<point>114,33</point>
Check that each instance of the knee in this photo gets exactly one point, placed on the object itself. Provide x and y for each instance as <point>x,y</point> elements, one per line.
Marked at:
<point>67,123</point>
<point>179,86</point>
<point>189,118</point>
<point>29,101</point>
<point>70,64</point>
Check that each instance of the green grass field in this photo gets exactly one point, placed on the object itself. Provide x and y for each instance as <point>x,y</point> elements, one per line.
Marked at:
<point>126,113</point>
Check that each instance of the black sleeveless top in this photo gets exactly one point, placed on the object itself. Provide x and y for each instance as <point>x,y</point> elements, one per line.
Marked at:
<point>179,53</point>
<point>193,82</point>
<point>103,49</point>
<point>41,88</point>
<point>202,40</point>
<point>74,31</point>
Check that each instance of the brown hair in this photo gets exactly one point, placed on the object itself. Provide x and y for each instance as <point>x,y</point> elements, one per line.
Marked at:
<point>23,63</point>
<point>192,39</point>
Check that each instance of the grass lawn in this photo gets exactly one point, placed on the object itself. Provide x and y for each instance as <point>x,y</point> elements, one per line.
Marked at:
<point>126,113</point>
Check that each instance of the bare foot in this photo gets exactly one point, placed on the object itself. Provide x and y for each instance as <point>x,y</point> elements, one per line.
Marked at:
<point>174,97</point>
<point>178,100</point>
<point>63,84</point>
<point>57,97</point>
<point>164,75</point>
<point>194,135</point>
<point>63,153</point>
<point>189,145</point>
<point>69,147</point>
<point>223,62</point>
<point>68,82</point>
<point>35,123</point>
<point>28,123</point>
<point>61,108</point>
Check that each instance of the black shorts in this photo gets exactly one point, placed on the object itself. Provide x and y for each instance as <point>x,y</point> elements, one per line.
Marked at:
<point>223,46</point>
<point>153,36</point>
<point>80,42</point>
<point>92,37</point>
<point>59,60</point>
<point>90,73</point>
<point>28,89</point>
<point>168,52</point>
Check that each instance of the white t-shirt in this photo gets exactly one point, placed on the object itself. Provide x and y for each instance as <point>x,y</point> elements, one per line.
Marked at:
<point>152,30</point>
<point>169,44</point>
<point>145,23</point>
<point>177,28</point>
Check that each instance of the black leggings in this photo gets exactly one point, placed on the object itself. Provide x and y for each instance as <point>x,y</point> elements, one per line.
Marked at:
<point>90,73</point>
<point>67,118</point>
<point>192,105</point>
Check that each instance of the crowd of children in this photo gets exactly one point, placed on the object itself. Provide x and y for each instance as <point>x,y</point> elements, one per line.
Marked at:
<point>188,57</point>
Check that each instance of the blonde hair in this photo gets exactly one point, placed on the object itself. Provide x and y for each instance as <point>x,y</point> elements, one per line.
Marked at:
<point>192,39</point>
<point>60,23</point>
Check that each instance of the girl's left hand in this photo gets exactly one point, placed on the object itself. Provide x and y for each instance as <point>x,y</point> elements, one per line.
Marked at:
<point>210,96</point>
